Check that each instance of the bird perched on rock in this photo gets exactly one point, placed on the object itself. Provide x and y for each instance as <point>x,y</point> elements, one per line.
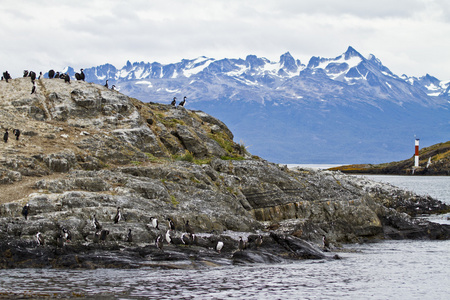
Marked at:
<point>67,78</point>
<point>67,235</point>
<point>159,242</point>
<point>103,234</point>
<point>325,242</point>
<point>96,223</point>
<point>40,239</point>
<point>16,132</point>
<point>182,103</point>
<point>219,246</point>
<point>6,76</point>
<point>25,73</point>
<point>25,211</point>
<point>168,238</point>
<point>241,244</point>
<point>174,101</point>
<point>113,87</point>
<point>51,74</point>
<point>258,241</point>
<point>32,76</point>
<point>106,84</point>
<point>6,135</point>
<point>188,228</point>
<point>155,222</point>
<point>33,89</point>
<point>118,216</point>
<point>80,76</point>
<point>129,238</point>
<point>171,224</point>
<point>40,75</point>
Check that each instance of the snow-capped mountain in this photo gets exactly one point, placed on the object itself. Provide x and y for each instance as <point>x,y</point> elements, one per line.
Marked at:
<point>343,109</point>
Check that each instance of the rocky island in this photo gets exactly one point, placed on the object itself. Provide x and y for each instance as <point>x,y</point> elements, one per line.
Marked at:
<point>92,170</point>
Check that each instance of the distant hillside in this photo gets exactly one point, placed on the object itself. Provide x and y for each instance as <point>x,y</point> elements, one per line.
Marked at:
<point>439,163</point>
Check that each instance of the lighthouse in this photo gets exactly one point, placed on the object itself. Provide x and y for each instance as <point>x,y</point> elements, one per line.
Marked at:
<point>416,154</point>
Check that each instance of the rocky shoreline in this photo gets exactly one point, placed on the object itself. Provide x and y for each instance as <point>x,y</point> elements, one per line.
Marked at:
<point>90,150</point>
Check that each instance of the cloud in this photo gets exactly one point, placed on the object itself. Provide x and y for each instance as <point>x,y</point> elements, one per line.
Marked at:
<point>408,36</point>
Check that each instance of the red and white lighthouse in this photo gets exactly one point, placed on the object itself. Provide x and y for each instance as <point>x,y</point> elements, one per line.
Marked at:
<point>416,154</point>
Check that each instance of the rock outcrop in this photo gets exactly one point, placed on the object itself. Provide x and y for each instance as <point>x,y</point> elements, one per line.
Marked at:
<point>86,151</point>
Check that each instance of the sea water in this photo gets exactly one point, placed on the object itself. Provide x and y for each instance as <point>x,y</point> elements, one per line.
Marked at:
<point>384,270</point>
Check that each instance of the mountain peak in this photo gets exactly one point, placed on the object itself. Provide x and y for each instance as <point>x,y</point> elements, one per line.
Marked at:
<point>351,52</point>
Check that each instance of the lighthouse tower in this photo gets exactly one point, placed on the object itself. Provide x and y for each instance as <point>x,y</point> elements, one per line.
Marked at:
<point>416,154</point>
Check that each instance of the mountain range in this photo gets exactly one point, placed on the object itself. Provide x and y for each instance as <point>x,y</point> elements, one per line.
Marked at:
<point>347,109</point>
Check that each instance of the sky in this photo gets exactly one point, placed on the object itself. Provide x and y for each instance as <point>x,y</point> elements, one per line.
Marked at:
<point>408,36</point>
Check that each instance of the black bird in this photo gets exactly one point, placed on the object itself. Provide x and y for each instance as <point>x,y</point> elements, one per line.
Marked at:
<point>80,76</point>
<point>25,73</point>
<point>96,223</point>
<point>51,74</point>
<point>174,101</point>
<point>118,216</point>
<point>106,84</point>
<point>67,235</point>
<point>40,239</point>
<point>62,76</point>
<point>113,87</point>
<point>129,236</point>
<point>182,103</point>
<point>155,222</point>
<point>67,78</point>
<point>33,89</point>
<point>16,132</point>
<point>325,242</point>
<point>159,242</point>
<point>32,75</point>
<point>6,76</point>
<point>57,75</point>
<point>40,75</point>
<point>103,234</point>
<point>188,228</point>
<point>258,241</point>
<point>25,211</point>
<point>171,224</point>
<point>5,136</point>
<point>241,244</point>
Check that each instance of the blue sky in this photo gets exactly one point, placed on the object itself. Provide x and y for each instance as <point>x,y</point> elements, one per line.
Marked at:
<point>408,36</point>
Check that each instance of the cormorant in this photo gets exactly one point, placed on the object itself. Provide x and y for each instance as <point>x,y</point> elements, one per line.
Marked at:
<point>33,89</point>
<point>174,101</point>
<point>96,223</point>
<point>32,75</point>
<point>25,211</point>
<point>51,74</point>
<point>182,103</point>
<point>159,242</point>
<point>6,76</point>
<point>25,73</point>
<point>168,238</point>
<point>80,76</point>
<point>106,84</point>
<point>5,136</point>
<point>219,246</point>
<point>118,216</point>
<point>67,235</point>
<point>154,222</point>
<point>16,132</point>
<point>66,78</point>
<point>129,238</point>
<point>40,75</point>
<point>171,224</point>
<point>103,234</point>
<point>40,239</point>
<point>241,244</point>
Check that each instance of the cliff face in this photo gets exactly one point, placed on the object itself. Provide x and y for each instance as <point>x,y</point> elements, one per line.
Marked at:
<point>85,150</point>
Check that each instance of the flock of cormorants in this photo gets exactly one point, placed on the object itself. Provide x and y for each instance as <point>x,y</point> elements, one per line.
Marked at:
<point>100,233</point>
